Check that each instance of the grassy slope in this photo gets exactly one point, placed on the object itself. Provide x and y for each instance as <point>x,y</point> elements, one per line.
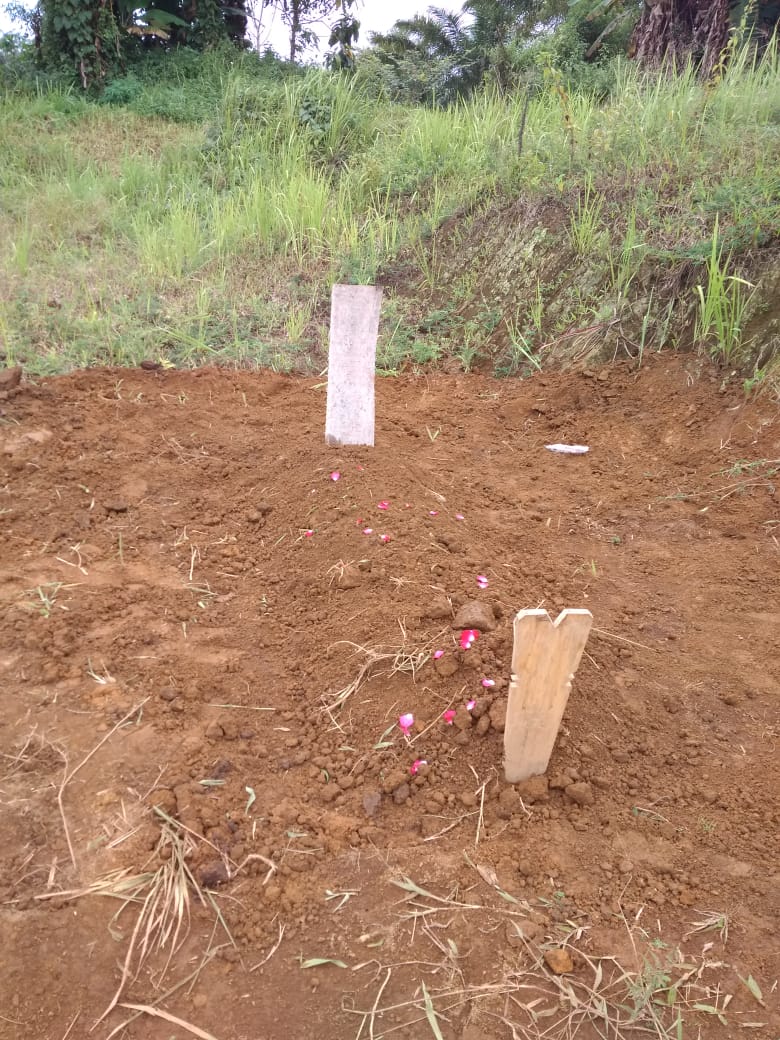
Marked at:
<point>125,235</point>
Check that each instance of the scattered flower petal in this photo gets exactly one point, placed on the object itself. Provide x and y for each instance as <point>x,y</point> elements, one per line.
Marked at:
<point>308,534</point>
<point>459,516</point>
<point>449,715</point>
<point>368,530</point>
<point>335,475</point>
<point>384,538</point>
<point>487,683</point>
<point>467,637</point>
<point>482,581</point>
<point>433,512</point>
<point>470,705</point>
<point>406,722</point>
<point>407,505</point>
<point>414,768</point>
<point>360,468</point>
<point>437,654</point>
<point>384,504</point>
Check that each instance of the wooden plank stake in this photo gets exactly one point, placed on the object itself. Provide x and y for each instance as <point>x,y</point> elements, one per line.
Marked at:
<point>545,656</point>
<point>354,326</point>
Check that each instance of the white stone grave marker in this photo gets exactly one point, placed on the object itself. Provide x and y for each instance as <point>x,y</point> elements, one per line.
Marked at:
<point>354,327</point>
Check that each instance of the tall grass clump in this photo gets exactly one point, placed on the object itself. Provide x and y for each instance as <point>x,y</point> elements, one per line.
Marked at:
<point>723,302</point>
<point>252,181</point>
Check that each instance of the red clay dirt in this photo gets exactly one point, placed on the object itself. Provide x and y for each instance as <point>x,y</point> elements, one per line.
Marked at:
<point>177,556</point>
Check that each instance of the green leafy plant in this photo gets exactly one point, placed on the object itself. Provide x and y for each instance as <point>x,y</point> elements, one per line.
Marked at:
<point>722,304</point>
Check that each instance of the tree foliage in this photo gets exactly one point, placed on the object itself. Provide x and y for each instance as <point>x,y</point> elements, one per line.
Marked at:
<point>94,38</point>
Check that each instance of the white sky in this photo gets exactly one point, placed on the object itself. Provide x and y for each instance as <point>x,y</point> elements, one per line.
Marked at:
<point>374,16</point>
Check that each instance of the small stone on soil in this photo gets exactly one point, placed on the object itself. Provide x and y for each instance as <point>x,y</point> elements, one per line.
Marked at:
<point>535,789</point>
<point>475,614</point>
<point>580,793</point>
<point>558,961</point>
<point>371,802</point>
<point>213,874</point>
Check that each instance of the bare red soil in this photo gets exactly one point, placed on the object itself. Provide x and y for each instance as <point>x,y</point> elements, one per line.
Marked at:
<point>177,559</point>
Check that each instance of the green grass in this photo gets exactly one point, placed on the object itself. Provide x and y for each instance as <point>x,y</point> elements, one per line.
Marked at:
<point>204,218</point>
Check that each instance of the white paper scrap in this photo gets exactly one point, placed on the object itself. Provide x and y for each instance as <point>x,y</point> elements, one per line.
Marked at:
<point>568,449</point>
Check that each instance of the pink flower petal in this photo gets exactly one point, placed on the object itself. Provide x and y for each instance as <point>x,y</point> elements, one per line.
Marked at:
<point>449,715</point>
<point>467,637</point>
<point>482,581</point>
<point>308,534</point>
<point>368,530</point>
<point>414,768</point>
<point>335,475</point>
<point>437,654</point>
<point>384,504</point>
<point>359,468</point>
<point>407,505</point>
<point>470,705</point>
<point>487,683</point>
<point>406,722</point>
<point>384,538</point>
<point>433,512</point>
<point>459,516</point>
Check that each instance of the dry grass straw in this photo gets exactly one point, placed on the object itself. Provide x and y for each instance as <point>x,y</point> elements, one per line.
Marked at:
<point>147,1009</point>
<point>163,896</point>
<point>32,747</point>
<point>389,659</point>
<point>69,774</point>
<point>602,998</point>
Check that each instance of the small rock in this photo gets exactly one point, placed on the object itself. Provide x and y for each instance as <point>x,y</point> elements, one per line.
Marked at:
<point>214,731</point>
<point>115,505</point>
<point>10,377</point>
<point>463,720</point>
<point>559,961</point>
<point>580,793</point>
<point>401,793</point>
<point>468,799</point>
<point>438,609</point>
<point>508,803</point>
<point>498,716</point>
<point>168,693</point>
<point>151,366</point>
<point>560,782</point>
<point>475,614</point>
<point>483,725</point>
<point>535,789</point>
<point>350,578</point>
<point>164,799</point>
<point>446,666</point>
<point>393,779</point>
<point>213,874</point>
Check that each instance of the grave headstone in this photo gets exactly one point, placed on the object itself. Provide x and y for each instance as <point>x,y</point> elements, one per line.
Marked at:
<point>354,327</point>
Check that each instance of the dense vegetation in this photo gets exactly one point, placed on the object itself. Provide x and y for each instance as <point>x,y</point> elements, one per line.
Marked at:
<point>199,207</point>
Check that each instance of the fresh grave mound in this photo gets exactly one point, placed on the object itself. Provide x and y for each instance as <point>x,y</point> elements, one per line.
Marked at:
<point>212,625</point>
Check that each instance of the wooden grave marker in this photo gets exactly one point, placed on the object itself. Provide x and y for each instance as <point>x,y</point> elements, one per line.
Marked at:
<point>354,327</point>
<point>545,656</point>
